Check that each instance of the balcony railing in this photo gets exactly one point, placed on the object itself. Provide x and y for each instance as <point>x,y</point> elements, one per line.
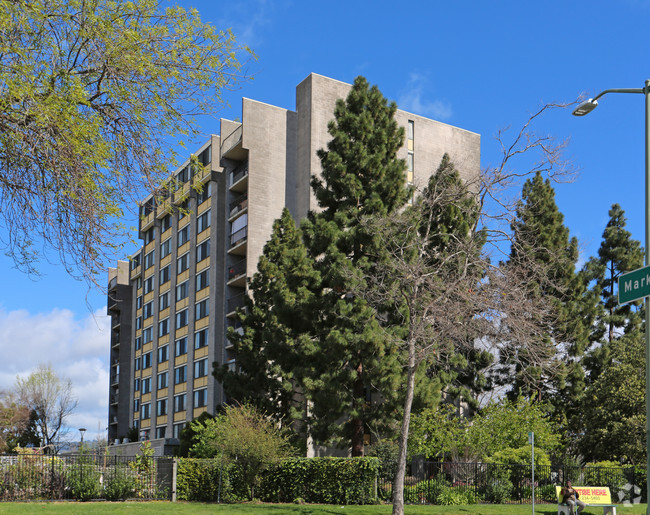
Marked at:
<point>238,237</point>
<point>238,174</point>
<point>237,269</point>
<point>238,205</point>
<point>237,301</point>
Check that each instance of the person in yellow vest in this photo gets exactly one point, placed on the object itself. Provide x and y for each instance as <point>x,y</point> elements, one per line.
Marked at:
<point>571,496</point>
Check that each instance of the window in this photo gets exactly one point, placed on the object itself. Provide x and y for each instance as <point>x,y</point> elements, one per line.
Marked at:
<point>161,407</point>
<point>201,368</point>
<point>138,323</point>
<point>163,327</point>
<point>183,209</point>
<point>180,347</point>
<point>136,405</point>
<point>148,285</point>
<point>161,380</point>
<point>145,411</point>
<point>135,262</point>
<point>138,302</point>
<point>182,291</point>
<point>138,283</point>
<point>181,319</point>
<point>201,398</point>
<point>137,363</point>
<point>202,250</point>
<point>201,338</point>
<point>203,222</point>
<point>201,309</point>
<point>183,175</point>
<point>179,403</point>
<point>180,374</point>
<point>149,235</point>
<point>411,129</point>
<point>163,353</point>
<point>165,248</point>
<point>183,263</point>
<point>184,235</point>
<point>163,301</point>
<point>164,275</point>
<point>148,310</point>
<point>146,360</point>
<point>177,430</point>
<point>149,259</point>
<point>136,384</point>
<point>138,343</point>
<point>147,334</point>
<point>204,194</point>
<point>165,223</point>
<point>146,385</point>
<point>160,431</point>
<point>202,280</point>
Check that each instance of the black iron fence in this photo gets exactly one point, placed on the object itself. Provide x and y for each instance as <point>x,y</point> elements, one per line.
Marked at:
<point>85,477</point>
<point>471,483</point>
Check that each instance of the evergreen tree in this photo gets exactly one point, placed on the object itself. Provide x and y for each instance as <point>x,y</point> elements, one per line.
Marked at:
<point>271,351</point>
<point>361,176</point>
<point>541,241</point>
<point>618,253</point>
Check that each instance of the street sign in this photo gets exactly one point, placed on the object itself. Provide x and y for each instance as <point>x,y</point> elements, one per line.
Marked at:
<point>634,285</point>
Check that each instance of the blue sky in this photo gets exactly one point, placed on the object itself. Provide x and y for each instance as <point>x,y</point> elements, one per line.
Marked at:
<point>482,66</point>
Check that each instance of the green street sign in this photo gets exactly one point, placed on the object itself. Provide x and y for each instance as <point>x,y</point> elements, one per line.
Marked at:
<point>634,285</point>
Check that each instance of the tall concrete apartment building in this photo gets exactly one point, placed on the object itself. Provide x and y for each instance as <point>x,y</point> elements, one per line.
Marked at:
<point>172,302</point>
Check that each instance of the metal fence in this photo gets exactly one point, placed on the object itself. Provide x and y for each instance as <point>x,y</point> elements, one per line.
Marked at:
<point>85,477</point>
<point>469,483</point>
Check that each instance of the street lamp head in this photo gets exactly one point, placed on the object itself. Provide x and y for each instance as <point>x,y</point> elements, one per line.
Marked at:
<point>585,107</point>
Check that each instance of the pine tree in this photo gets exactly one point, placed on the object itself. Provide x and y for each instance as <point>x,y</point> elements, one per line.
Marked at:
<point>618,253</point>
<point>542,241</point>
<point>361,176</point>
<point>276,323</point>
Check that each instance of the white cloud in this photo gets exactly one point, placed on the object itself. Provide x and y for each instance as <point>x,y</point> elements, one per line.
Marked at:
<point>413,99</point>
<point>76,348</point>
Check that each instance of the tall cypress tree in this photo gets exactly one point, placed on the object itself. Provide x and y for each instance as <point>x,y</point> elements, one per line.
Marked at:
<point>361,176</point>
<point>618,253</point>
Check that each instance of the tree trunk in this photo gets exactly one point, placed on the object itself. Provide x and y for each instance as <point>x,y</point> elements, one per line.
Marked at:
<point>357,423</point>
<point>398,481</point>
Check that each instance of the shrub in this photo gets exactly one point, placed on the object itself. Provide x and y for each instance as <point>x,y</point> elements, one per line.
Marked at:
<point>83,481</point>
<point>321,480</point>
<point>120,484</point>
<point>450,496</point>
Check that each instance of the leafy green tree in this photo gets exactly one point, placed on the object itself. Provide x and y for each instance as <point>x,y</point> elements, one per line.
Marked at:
<point>618,253</point>
<point>94,98</point>
<point>437,433</point>
<point>275,349</point>
<point>614,407</point>
<point>505,425</point>
<point>361,176</point>
<point>542,243</point>
<point>17,424</point>
<point>244,436</point>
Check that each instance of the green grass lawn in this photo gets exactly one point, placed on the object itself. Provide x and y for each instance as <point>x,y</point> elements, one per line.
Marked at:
<point>316,509</point>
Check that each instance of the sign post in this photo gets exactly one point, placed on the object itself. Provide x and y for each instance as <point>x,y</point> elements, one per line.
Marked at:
<point>531,440</point>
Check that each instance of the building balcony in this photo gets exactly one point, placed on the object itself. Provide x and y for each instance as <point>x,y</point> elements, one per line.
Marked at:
<point>231,145</point>
<point>239,178</point>
<point>237,273</point>
<point>235,302</point>
<point>238,207</point>
<point>238,241</point>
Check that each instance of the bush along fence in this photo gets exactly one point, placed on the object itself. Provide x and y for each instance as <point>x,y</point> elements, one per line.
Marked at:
<point>471,483</point>
<point>309,480</point>
<point>84,477</point>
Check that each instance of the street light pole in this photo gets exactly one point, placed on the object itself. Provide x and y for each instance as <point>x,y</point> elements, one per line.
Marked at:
<point>583,109</point>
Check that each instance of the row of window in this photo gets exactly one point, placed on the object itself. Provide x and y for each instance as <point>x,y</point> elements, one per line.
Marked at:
<point>202,252</point>
<point>200,401</point>
<point>201,310</point>
<point>180,376</point>
<point>180,348</point>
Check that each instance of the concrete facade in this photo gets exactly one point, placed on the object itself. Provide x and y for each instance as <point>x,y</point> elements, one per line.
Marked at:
<point>176,302</point>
